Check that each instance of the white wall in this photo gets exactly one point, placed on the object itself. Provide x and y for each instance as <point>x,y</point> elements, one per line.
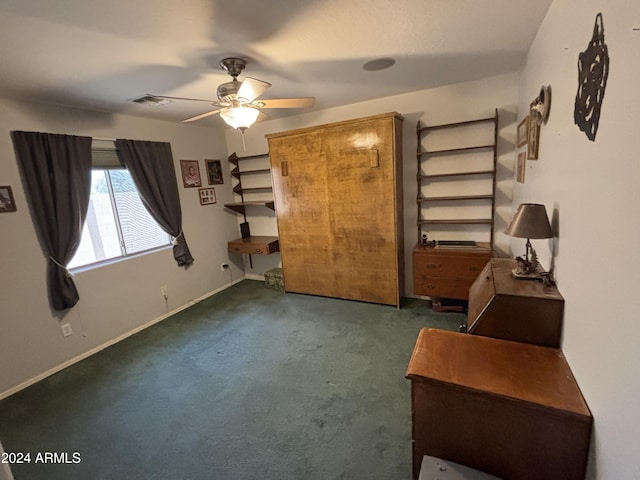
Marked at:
<point>591,191</point>
<point>454,103</point>
<point>114,299</point>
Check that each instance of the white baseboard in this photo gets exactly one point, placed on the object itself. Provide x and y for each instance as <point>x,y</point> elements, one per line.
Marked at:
<point>68,363</point>
<point>253,276</point>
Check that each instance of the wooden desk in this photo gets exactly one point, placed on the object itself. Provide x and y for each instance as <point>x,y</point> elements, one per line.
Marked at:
<point>509,409</point>
<point>254,245</point>
<point>502,306</point>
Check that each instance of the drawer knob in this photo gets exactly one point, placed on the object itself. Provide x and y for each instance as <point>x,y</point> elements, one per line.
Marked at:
<point>431,286</point>
<point>431,265</point>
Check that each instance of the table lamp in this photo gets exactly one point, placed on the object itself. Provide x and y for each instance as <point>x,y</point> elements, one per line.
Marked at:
<point>530,221</point>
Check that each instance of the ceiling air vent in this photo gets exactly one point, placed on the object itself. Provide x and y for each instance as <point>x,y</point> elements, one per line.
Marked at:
<point>151,101</point>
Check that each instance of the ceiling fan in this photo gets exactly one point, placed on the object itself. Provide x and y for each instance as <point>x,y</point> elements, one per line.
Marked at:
<point>238,103</point>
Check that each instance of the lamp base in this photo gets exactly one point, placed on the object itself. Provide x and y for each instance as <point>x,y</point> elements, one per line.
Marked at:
<point>537,275</point>
<point>527,269</point>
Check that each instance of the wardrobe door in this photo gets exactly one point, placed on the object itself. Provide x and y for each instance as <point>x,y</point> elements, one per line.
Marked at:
<point>360,185</point>
<point>299,173</point>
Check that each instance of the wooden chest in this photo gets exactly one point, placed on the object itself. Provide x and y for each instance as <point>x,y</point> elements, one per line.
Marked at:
<point>447,272</point>
<point>502,306</point>
<point>510,409</point>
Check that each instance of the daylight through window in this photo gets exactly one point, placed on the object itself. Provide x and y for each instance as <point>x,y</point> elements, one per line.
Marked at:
<point>117,224</point>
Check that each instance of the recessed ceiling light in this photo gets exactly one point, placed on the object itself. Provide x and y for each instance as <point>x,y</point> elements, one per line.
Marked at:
<point>379,64</point>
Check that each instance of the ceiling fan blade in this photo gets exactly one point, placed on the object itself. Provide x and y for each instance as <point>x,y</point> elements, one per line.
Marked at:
<point>202,115</point>
<point>252,88</point>
<point>299,102</point>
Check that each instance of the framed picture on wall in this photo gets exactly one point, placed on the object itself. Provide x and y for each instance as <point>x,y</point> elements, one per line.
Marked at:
<point>214,172</point>
<point>523,132</point>
<point>7,203</point>
<point>520,166</point>
<point>533,137</point>
<point>207,196</point>
<point>190,173</point>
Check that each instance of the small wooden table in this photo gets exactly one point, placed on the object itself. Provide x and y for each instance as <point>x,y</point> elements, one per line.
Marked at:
<point>506,408</point>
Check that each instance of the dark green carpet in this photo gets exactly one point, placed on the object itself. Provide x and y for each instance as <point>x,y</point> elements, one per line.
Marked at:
<point>248,384</point>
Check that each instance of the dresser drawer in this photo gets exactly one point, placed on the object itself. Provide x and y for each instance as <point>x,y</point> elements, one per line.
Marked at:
<point>446,287</point>
<point>449,266</point>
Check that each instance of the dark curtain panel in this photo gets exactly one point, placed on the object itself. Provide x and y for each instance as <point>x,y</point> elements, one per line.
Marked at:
<point>151,167</point>
<point>56,171</point>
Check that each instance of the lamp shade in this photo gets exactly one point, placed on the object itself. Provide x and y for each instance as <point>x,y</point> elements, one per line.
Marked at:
<point>240,117</point>
<point>530,221</point>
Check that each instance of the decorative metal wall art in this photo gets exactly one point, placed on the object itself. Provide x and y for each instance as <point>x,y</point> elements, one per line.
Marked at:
<point>593,70</point>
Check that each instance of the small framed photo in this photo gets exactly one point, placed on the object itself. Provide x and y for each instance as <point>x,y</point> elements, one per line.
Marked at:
<point>190,173</point>
<point>7,203</point>
<point>520,167</point>
<point>207,196</point>
<point>523,132</point>
<point>214,172</point>
<point>533,135</point>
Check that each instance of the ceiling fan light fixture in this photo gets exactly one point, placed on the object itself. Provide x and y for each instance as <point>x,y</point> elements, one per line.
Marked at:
<point>240,117</point>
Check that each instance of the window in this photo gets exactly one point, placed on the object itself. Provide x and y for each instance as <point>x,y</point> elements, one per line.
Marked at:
<point>117,224</point>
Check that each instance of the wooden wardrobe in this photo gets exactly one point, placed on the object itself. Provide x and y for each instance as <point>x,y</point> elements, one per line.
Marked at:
<point>338,197</point>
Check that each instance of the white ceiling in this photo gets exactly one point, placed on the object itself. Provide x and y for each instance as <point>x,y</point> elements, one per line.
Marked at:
<point>101,54</point>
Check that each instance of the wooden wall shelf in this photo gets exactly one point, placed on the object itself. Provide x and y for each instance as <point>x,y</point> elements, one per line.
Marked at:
<point>240,206</point>
<point>250,244</point>
<point>424,199</point>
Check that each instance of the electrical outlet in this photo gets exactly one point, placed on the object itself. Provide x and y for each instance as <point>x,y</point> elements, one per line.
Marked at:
<point>164,292</point>
<point>224,266</point>
<point>66,330</point>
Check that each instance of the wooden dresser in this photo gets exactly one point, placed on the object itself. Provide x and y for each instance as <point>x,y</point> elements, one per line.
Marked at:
<point>448,272</point>
<point>338,195</point>
<point>510,409</point>
<point>502,306</point>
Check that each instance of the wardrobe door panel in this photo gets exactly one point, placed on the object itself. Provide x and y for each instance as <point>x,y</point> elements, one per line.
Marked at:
<point>362,211</point>
<point>299,181</point>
